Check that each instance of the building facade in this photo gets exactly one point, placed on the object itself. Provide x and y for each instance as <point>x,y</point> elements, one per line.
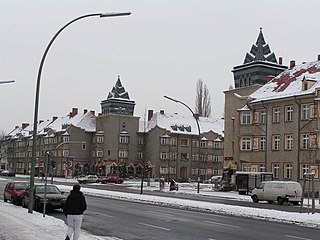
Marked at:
<point>275,127</point>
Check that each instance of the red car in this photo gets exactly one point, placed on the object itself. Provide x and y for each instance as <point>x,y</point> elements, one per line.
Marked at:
<point>112,179</point>
<point>14,191</point>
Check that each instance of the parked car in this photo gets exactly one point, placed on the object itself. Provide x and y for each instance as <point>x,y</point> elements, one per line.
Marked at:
<point>112,179</point>
<point>88,179</point>
<point>13,191</point>
<point>55,198</point>
<point>280,191</point>
<point>8,173</point>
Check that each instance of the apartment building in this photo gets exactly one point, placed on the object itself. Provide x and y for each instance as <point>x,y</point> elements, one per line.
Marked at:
<point>275,127</point>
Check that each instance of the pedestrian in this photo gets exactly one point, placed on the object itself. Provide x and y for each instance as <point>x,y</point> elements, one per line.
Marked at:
<point>74,209</point>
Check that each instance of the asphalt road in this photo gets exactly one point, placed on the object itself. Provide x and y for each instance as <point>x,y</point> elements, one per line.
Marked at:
<point>128,220</point>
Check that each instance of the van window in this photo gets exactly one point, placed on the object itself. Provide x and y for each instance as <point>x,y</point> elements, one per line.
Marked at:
<point>261,186</point>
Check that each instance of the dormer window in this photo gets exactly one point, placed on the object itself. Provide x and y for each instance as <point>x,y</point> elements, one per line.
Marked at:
<point>307,83</point>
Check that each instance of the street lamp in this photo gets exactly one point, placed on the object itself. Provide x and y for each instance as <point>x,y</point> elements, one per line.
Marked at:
<point>36,104</point>
<point>10,81</point>
<point>197,121</point>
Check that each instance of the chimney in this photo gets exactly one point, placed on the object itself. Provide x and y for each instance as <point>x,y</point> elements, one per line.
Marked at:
<point>73,113</point>
<point>150,114</point>
<point>24,125</point>
<point>280,60</point>
<point>161,112</point>
<point>93,112</point>
<point>269,78</point>
<point>292,63</point>
<point>318,57</point>
<point>196,116</point>
<point>54,118</point>
<point>85,111</point>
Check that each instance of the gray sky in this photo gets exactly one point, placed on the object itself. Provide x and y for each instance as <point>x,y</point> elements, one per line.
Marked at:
<point>163,48</point>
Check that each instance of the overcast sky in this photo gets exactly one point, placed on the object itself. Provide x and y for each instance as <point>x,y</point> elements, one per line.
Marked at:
<point>163,48</point>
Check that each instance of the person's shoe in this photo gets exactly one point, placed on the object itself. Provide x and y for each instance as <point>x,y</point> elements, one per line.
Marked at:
<point>67,238</point>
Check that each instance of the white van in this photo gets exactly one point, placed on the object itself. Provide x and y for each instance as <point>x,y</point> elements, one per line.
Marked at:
<point>280,191</point>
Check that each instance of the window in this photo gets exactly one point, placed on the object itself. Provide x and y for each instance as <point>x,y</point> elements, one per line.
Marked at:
<point>276,115</point>
<point>193,171</point>
<point>246,167</point>
<point>276,170</point>
<point>140,140</point>
<point>305,112</point>
<point>202,157</point>
<point>194,157</point>
<point>288,171</point>
<point>163,155</point>
<point>123,153</point>
<point>66,138</point>
<point>263,116</point>
<point>194,142</point>
<point>65,152</point>
<point>263,143</point>
<point>305,141</point>
<point>184,156</point>
<point>203,143</point>
<point>216,158</point>
<point>100,139</point>
<point>174,141</point>
<point>245,143</point>
<point>124,139</point>
<point>84,145</point>
<point>305,169</point>
<point>164,140</point>
<point>173,155</point>
<point>289,113</point>
<point>184,142</point>
<point>288,142</point>
<point>163,170</point>
<point>99,153</point>
<point>202,171</point>
<point>140,155</point>
<point>217,144</point>
<point>172,170</point>
<point>276,142</point>
<point>262,167</point>
<point>246,117</point>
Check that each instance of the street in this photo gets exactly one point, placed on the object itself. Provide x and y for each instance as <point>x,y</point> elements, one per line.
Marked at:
<point>129,220</point>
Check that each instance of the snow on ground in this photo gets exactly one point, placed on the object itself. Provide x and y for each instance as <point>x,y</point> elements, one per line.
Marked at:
<point>13,217</point>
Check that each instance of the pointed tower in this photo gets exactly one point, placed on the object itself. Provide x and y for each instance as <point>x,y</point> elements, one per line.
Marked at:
<point>258,64</point>
<point>118,101</point>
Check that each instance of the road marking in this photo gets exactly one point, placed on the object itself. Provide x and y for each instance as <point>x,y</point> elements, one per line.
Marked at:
<point>160,213</point>
<point>295,237</point>
<point>106,215</point>
<point>222,224</point>
<point>153,226</point>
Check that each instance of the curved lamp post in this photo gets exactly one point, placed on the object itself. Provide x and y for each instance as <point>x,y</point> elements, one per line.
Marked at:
<point>10,81</point>
<point>36,104</point>
<point>197,121</point>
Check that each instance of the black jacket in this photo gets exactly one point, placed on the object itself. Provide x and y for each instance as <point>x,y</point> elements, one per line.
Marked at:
<point>75,204</point>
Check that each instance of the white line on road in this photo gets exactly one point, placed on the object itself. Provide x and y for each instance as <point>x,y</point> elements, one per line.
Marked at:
<point>222,224</point>
<point>295,237</point>
<point>106,215</point>
<point>160,213</point>
<point>153,226</point>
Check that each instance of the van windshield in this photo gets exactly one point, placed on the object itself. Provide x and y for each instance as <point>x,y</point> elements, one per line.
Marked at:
<point>261,186</point>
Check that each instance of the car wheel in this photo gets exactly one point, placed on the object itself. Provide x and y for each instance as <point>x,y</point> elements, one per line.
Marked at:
<point>280,200</point>
<point>4,198</point>
<point>84,182</point>
<point>12,200</point>
<point>255,199</point>
<point>23,203</point>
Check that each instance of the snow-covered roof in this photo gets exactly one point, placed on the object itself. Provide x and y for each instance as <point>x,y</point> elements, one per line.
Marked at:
<point>86,121</point>
<point>180,124</point>
<point>289,83</point>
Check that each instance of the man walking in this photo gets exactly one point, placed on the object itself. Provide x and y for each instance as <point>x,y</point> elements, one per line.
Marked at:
<point>73,209</point>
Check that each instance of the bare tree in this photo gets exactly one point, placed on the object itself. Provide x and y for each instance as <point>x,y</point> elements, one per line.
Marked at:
<point>203,100</point>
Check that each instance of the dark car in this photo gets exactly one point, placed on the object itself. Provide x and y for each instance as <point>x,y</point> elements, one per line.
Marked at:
<point>14,191</point>
<point>55,198</point>
<point>8,173</point>
<point>112,179</point>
